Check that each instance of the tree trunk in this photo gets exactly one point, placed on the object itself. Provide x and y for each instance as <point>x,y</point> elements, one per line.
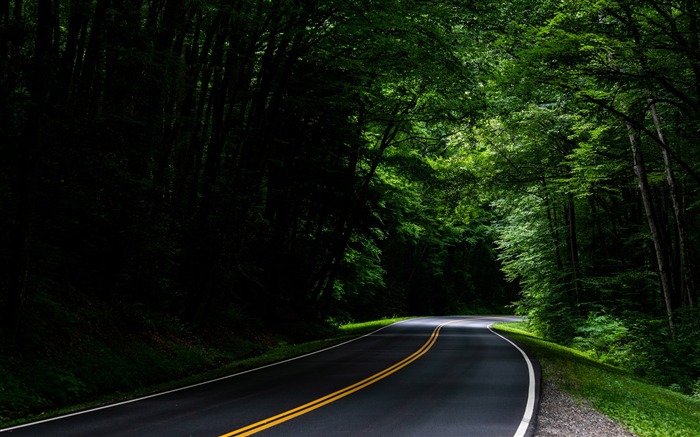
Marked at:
<point>86,102</point>
<point>661,249</point>
<point>202,246</point>
<point>572,240</point>
<point>28,179</point>
<point>551,222</point>
<point>687,276</point>
<point>74,47</point>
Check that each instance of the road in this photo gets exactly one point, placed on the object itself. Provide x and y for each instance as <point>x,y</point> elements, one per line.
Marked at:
<point>438,376</point>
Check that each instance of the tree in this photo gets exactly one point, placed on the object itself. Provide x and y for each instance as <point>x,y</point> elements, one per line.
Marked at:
<point>193,156</point>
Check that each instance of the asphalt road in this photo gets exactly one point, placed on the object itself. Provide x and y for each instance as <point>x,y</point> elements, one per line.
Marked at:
<point>441,376</point>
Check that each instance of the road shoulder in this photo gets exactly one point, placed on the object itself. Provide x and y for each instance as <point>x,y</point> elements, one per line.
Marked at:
<point>562,415</point>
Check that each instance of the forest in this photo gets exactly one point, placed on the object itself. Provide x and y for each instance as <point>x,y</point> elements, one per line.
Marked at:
<point>299,164</point>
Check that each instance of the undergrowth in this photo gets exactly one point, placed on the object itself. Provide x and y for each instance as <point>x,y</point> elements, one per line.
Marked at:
<point>102,355</point>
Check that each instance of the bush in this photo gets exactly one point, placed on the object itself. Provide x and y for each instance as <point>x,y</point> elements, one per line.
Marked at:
<point>605,337</point>
<point>696,389</point>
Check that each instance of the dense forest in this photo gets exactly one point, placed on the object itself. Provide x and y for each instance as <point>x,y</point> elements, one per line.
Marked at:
<point>303,164</point>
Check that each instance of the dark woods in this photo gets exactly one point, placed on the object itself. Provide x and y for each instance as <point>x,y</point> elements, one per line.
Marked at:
<point>192,156</point>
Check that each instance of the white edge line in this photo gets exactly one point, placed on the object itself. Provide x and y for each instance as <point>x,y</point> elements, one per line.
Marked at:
<point>104,407</point>
<point>530,407</point>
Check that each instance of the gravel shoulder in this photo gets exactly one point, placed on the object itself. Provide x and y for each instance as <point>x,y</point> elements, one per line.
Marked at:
<point>562,415</point>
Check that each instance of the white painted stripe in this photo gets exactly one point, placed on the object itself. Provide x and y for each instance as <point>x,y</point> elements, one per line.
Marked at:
<point>104,407</point>
<point>530,407</point>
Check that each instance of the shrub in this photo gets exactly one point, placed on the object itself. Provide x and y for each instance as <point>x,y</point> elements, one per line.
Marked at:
<point>605,337</point>
<point>696,389</point>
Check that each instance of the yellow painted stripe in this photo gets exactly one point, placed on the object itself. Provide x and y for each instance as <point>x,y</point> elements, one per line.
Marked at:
<point>318,403</point>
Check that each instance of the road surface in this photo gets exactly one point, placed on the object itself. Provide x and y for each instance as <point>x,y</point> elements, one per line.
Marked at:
<point>437,376</point>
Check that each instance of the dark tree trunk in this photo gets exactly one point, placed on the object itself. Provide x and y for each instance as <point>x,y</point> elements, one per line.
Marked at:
<point>553,226</point>
<point>687,271</point>
<point>29,171</point>
<point>572,244</point>
<point>660,248</point>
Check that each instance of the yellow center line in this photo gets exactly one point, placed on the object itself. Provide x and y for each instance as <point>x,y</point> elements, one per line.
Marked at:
<point>318,403</point>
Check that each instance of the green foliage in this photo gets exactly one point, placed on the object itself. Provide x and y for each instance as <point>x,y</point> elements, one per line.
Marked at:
<point>438,256</point>
<point>643,346</point>
<point>528,256</point>
<point>563,93</point>
<point>696,389</point>
<point>361,328</point>
<point>605,337</point>
<point>660,357</point>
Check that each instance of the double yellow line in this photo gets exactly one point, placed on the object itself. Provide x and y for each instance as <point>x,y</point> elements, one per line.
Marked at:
<point>318,403</point>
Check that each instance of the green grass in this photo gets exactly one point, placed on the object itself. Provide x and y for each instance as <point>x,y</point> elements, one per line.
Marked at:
<point>644,408</point>
<point>100,374</point>
<point>354,329</point>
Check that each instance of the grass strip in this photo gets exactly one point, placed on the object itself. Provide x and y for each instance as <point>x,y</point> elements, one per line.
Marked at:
<point>644,408</point>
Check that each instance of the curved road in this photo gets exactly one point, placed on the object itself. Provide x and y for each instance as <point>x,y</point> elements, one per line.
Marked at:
<point>438,376</point>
